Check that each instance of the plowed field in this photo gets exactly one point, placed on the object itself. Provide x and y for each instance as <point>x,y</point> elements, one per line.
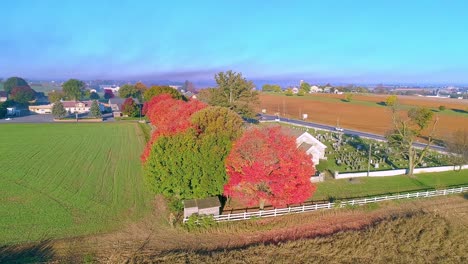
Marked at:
<point>364,112</point>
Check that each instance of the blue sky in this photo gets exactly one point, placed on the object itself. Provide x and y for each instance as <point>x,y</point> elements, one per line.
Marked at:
<point>327,41</point>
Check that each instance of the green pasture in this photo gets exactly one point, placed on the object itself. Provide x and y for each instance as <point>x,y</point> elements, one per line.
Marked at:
<point>369,186</point>
<point>61,180</point>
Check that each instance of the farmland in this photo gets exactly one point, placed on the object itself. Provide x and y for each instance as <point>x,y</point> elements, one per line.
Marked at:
<point>61,180</point>
<point>364,113</point>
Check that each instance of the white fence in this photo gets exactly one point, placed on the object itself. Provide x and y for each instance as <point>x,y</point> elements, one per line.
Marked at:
<point>315,207</point>
<point>386,173</point>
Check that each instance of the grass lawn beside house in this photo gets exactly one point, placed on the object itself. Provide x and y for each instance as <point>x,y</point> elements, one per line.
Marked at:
<point>371,186</point>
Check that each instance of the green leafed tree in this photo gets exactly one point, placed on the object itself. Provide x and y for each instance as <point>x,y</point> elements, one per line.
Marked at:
<point>13,82</point>
<point>218,120</point>
<point>55,96</point>
<point>95,110</point>
<point>305,87</point>
<point>156,90</point>
<point>392,100</point>
<point>235,93</point>
<point>185,166</point>
<point>73,88</point>
<point>406,130</point>
<point>3,110</point>
<point>22,94</point>
<point>271,88</point>
<point>128,90</point>
<point>94,96</point>
<point>348,97</point>
<point>289,92</point>
<point>58,111</point>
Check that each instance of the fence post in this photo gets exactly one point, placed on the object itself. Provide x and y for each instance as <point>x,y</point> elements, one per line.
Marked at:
<point>445,191</point>
<point>289,209</point>
<point>275,211</point>
<point>316,205</point>
<point>261,213</point>
<point>329,205</point>
<point>407,195</point>
<point>229,216</point>
<point>417,195</point>
<point>303,208</point>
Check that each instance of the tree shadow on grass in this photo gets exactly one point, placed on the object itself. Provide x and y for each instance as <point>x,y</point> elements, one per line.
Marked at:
<point>460,111</point>
<point>382,103</point>
<point>33,253</point>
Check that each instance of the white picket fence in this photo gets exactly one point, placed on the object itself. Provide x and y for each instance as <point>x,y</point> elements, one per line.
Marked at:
<point>315,207</point>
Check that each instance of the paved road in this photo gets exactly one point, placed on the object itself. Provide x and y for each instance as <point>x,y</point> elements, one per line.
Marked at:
<point>346,131</point>
<point>44,118</point>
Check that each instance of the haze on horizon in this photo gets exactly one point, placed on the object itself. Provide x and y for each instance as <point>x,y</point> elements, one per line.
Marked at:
<point>334,41</point>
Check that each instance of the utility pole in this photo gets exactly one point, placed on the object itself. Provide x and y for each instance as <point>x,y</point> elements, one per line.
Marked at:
<point>368,163</point>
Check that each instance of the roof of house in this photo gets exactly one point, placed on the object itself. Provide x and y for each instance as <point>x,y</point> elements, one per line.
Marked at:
<point>203,203</point>
<point>74,103</point>
<point>304,146</point>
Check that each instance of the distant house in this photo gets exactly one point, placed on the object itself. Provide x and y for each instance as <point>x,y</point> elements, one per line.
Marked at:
<point>41,109</point>
<point>79,107</point>
<point>295,90</point>
<point>315,89</point>
<point>3,96</point>
<point>309,144</point>
<point>113,88</point>
<point>116,104</point>
<point>206,206</point>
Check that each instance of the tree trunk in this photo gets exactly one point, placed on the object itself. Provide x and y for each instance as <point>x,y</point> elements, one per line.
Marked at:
<point>410,162</point>
<point>262,204</point>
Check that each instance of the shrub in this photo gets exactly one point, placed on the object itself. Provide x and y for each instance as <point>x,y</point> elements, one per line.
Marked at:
<point>196,221</point>
<point>442,108</point>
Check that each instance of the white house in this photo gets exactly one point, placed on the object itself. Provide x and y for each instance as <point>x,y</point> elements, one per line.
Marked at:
<point>315,89</point>
<point>41,109</point>
<point>80,107</point>
<point>309,144</point>
<point>295,90</point>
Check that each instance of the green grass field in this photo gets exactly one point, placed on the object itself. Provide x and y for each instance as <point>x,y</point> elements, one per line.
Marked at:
<point>61,180</point>
<point>360,187</point>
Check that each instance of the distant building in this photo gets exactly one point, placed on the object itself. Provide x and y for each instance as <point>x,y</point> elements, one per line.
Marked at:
<point>315,89</point>
<point>116,104</point>
<point>41,109</point>
<point>295,90</point>
<point>113,88</point>
<point>309,144</point>
<point>3,96</point>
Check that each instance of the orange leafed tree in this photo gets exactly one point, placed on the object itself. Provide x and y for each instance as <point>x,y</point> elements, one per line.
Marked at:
<point>169,116</point>
<point>266,167</point>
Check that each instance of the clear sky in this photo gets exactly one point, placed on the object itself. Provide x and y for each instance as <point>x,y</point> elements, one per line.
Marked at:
<point>329,40</point>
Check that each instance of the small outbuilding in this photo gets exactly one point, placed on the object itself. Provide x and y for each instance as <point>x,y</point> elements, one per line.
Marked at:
<point>206,206</point>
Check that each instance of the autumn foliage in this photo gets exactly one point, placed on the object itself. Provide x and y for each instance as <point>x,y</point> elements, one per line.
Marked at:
<point>266,167</point>
<point>169,116</point>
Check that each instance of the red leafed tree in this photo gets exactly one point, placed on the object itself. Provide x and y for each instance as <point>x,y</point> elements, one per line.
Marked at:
<point>169,116</point>
<point>266,167</point>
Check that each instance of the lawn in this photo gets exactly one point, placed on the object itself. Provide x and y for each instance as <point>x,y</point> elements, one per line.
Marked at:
<point>61,180</point>
<point>369,186</point>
